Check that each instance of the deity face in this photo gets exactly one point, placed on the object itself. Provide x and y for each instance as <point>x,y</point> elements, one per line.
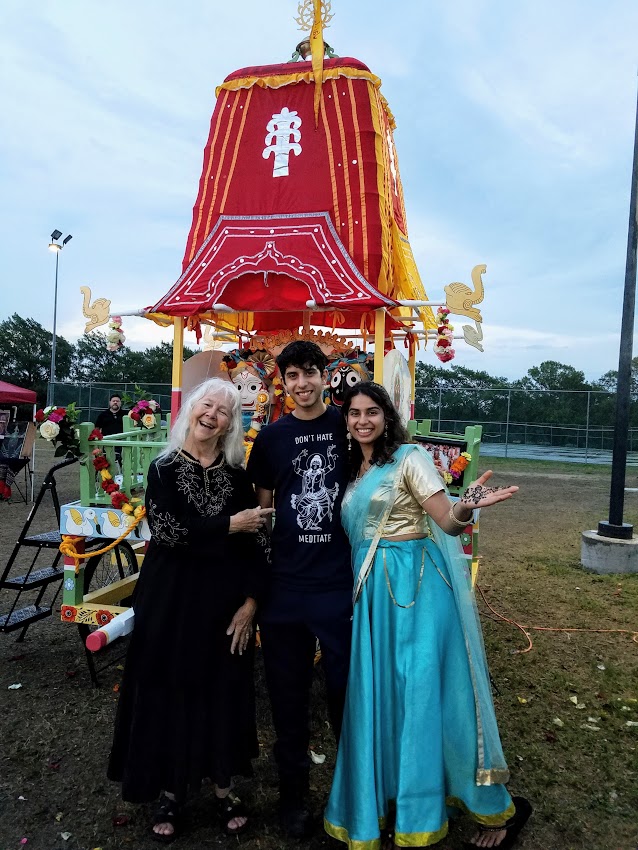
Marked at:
<point>249,386</point>
<point>342,378</point>
<point>315,462</point>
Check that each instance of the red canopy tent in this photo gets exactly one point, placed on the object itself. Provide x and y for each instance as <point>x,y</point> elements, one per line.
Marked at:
<point>10,394</point>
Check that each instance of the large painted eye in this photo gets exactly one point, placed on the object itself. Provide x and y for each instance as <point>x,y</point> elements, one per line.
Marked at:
<point>335,380</point>
<point>254,386</point>
<point>352,379</point>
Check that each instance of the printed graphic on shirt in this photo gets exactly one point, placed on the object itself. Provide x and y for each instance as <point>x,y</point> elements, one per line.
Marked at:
<point>316,500</point>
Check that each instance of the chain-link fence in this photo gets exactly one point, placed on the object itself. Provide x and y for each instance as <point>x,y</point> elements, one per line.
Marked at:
<point>92,398</point>
<point>551,424</point>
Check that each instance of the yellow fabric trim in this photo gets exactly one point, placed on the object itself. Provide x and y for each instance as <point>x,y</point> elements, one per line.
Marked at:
<point>499,819</point>
<point>317,52</point>
<point>219,171</point>
<point>205,183</point>
<point>346,171</point>
<point>407,282</point>
<point>331,162</point>
<point>362,194</point>
<point>401,839</point>
<point>236,151</point>
<point>277,81</point>
<point>384,281</point>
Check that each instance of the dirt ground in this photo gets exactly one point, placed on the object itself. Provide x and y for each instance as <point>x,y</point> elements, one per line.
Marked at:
<point>55,729</point>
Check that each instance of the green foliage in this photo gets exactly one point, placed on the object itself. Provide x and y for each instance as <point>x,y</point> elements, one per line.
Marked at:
<point>25,354</point>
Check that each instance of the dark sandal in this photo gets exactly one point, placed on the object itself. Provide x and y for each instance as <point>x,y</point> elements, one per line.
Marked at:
<point>167,811</point>
<point>230,807</point>
<point>512,827</point>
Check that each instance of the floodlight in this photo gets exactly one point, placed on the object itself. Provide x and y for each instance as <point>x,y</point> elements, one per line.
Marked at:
<point>56,234</point>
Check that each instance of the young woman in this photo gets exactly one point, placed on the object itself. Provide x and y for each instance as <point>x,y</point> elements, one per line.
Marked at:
<point>186,708</point>
<point>419,737</point>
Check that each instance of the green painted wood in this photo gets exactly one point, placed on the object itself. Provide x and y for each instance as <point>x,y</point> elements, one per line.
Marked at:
<point>139,448</point>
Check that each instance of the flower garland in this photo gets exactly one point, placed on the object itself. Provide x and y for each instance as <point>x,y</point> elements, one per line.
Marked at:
<point>119,498</point>
<point>443,347</point>
<point>143,413</point>
<point>457,467</point>
<point>57,426</point>
<point>115,336</point>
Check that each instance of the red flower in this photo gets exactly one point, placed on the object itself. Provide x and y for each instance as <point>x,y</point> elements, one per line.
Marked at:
<point>61,411</point>
<point>109,486</point>
<point>118,499</point>
<point>40,417</point>
<point>103,617</point>
<point>95,434</point>
<point>101,462</point>
<point>68,613</point>
<point>443,342</point>
<point>134,415</point>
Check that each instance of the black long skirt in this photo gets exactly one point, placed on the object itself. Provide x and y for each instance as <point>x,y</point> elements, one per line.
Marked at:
<point>187,706</point>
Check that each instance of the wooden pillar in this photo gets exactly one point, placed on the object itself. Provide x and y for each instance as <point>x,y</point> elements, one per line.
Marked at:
<point>178,360</point>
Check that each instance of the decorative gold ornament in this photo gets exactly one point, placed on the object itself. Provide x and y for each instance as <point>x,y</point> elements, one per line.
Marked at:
<point>97,313</point>
<point>325,339</point>
<point>459,297</point>
<point>306,14</point>
<point>473,335</point>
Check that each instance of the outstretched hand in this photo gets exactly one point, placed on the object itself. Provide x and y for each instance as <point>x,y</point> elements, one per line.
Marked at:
<point>241,626</point>
<point>478,495</point>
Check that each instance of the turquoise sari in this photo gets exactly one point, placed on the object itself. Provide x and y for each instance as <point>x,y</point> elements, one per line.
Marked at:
<point>419,739</point>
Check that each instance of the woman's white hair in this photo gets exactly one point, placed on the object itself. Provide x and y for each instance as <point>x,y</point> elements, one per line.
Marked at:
<point>232,443</point>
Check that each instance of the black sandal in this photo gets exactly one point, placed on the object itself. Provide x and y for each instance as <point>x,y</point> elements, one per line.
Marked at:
<point>167,811</point>
<point>228,808</point>
<point>512,827</point>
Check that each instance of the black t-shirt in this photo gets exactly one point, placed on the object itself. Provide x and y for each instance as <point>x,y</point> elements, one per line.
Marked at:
<point>110,423</point>
<point>305,463</point>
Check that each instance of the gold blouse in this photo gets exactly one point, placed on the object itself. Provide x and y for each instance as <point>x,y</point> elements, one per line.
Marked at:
<point>419,481</point>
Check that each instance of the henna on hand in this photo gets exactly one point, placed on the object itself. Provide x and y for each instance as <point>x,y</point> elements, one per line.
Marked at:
<point>476,492</point>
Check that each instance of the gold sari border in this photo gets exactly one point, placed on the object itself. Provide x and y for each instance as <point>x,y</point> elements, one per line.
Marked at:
<point>401,839</point>
<point>276,81</point>
<point>499,819</point>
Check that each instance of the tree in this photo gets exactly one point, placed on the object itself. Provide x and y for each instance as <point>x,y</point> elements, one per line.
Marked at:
<point>157,366</point>
<point>537,404</point>
<point>457,388</point>
<point>25,354</point>
<point>92,362</point>
<point>609,380</point>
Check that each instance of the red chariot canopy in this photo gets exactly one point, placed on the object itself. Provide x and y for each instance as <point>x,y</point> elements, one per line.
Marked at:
<point>10,394</point>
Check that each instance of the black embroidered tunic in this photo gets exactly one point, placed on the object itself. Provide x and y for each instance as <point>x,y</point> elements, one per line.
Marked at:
<point>186,708</point>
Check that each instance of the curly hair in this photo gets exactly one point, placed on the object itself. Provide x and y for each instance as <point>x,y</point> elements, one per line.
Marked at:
<point>394,435</point>
<point>303,354</point>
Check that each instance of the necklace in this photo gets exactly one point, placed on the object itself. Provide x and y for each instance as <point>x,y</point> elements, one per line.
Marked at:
<point>365,466</point>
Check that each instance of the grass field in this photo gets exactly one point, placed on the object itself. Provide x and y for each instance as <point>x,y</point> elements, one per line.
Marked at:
<point>563,707</point>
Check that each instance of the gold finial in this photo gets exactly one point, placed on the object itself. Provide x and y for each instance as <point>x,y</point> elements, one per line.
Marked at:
<point>306,15</point>
<point>97,313</point>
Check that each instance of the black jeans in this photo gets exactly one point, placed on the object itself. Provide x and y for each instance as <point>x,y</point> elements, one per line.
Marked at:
<point>289,624</point>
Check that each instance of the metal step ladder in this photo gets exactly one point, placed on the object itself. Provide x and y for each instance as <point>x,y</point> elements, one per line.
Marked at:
<point>40,574</point>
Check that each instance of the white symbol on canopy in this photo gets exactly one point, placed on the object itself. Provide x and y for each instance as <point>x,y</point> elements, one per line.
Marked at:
<point>283,139</point>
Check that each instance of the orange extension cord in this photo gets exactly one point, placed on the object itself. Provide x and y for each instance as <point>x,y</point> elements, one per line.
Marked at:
<point>526,629</point>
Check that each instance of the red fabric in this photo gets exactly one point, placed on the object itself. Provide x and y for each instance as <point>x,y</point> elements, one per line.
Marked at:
<point>283,69</point>
<point>10,394</point>
<point>340,154</point>
<point>271,264</point>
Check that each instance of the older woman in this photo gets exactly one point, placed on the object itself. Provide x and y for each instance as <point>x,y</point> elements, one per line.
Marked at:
<point>419,737</point>
<point>186,708</point>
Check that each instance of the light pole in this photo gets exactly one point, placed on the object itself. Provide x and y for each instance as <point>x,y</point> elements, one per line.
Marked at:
<point>55,246</point>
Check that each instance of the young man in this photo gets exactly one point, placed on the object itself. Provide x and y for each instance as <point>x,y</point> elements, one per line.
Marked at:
<point>299,463</point>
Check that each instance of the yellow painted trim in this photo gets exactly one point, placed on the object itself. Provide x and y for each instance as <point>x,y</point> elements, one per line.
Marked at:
<point>114,592</point>
<point>346,171</point>
<point>486,820</point>
<point>277,81</point>
<point>205,183</point>
<point>379,342</point>
<point>233,162</point>
<point>178,353</point>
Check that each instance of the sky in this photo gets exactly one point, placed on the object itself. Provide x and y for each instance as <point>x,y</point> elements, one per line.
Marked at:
<point>515,134</point>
